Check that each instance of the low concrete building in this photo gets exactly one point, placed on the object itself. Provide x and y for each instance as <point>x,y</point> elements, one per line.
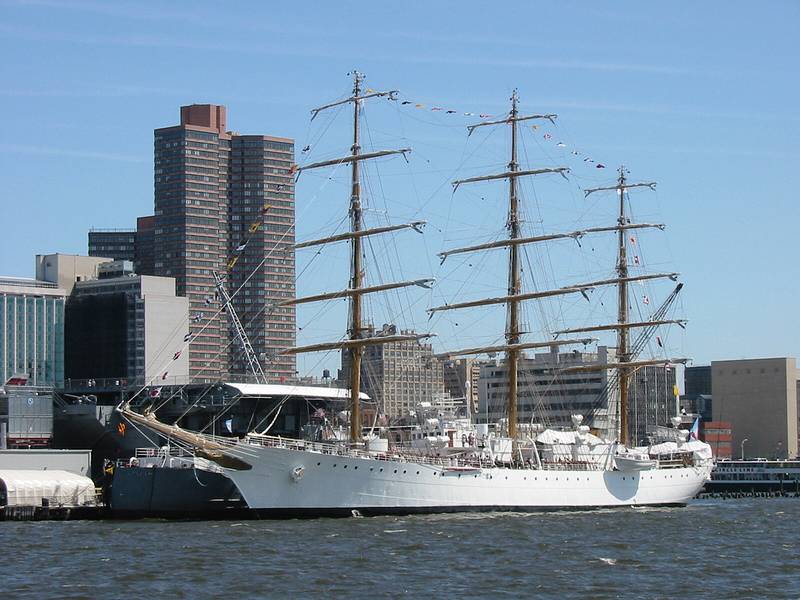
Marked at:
<point>548,396</point>
<point>127,328</point>
<point>66,269</point>
<point>759,398</point>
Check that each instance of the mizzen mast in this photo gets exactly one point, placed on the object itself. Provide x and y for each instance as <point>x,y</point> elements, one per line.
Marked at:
<point>625,367</point>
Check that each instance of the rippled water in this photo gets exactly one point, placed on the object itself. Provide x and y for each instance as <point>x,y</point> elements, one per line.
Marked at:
<point>715,548</point>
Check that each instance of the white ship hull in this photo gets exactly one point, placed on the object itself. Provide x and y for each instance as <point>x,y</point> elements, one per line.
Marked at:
<point>294,482</point>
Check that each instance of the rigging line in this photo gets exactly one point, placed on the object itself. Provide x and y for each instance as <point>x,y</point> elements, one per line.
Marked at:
<point>238,398</point>
<point>416,193</point>
<point>547,255</point>
<point>393,239</point>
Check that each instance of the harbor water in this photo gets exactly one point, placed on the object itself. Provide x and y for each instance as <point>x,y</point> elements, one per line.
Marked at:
<point>746,548</point>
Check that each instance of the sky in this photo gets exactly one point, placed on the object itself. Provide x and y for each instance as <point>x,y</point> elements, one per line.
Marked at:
<point>699,97</point>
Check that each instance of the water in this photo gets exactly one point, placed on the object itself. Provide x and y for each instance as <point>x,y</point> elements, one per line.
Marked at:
<point>714,548</point>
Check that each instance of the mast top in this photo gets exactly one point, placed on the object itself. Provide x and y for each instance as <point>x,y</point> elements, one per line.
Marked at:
<point>358,79</point>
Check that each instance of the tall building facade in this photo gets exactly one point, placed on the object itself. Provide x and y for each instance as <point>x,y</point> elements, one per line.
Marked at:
<point>191,224</point>
<point>211,187</point>
<point>144,252</point>
<point>398,376</point>
<point>32,331</point>
<point>261,190</point>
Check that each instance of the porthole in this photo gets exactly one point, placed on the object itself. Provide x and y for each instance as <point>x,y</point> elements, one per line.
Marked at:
<point>345,466</point>
<point>395,470</point>
<point>318,464</point>
<point>381,470</point>
<point>404,471</point>
<point>356,467</point>
<point>417,472</point>
<point>334,465</point>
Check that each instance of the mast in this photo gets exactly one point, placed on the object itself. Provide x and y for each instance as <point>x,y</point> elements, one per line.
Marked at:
<point>356,274</point>
<point>622,315</point>
<point>623,365</point>
<point>514,280</point>
<point>356,341</point>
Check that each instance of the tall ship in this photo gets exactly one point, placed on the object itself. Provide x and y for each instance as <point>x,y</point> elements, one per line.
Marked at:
<point>512,467</point>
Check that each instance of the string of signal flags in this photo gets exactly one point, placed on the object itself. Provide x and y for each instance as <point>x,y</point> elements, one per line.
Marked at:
<point>547,136</point>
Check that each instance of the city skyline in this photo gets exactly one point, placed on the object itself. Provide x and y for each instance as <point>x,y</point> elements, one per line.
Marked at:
<point>720,151</point>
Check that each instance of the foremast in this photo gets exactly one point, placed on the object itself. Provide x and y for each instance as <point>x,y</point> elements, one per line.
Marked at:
<point>355,332</point>
<point>356,275</point>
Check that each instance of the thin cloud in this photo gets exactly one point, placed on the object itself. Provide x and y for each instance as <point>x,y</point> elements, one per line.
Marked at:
<point>50,151</point>
<point>160,41</point>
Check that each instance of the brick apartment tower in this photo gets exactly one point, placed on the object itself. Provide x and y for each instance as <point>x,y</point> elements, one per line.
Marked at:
<point>210,186</point>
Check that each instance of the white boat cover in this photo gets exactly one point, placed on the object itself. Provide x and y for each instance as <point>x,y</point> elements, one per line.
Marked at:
<point>60,488</point>
<point>551,436</point>
<point>698,448</point>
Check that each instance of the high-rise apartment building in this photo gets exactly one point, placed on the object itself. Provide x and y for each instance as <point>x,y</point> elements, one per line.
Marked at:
<point>261,190</point>
<point>550,393</point>
<point>211,187</point>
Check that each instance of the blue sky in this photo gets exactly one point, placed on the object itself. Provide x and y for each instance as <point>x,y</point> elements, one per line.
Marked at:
<point>700,97</point>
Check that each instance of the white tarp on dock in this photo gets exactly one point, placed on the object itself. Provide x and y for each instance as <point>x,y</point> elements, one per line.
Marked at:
<point>60,488</point>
